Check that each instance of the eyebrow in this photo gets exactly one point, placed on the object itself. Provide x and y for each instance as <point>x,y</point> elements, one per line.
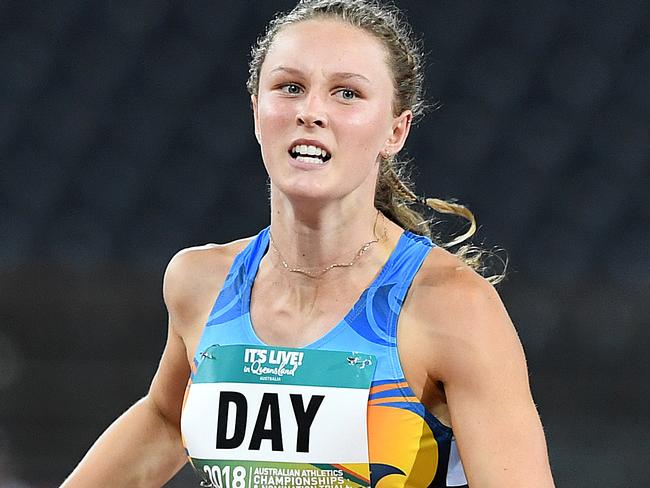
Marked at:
<point>338,75</point>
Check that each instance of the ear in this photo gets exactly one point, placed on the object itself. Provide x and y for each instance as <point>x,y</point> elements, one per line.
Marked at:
<point>400,131</point>
<point>255,118</point>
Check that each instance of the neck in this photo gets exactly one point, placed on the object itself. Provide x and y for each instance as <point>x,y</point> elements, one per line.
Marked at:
<point>315,239</point>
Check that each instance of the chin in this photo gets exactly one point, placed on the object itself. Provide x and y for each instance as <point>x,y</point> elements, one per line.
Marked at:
<point>304,192</point>
<point>304,195</point>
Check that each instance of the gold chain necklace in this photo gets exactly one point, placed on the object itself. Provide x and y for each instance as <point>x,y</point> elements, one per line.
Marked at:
<point>317,274</point>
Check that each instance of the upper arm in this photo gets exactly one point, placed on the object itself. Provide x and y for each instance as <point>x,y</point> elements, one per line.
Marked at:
<point>168,385</point>
<point>189,289</point>
<point>481,363</point>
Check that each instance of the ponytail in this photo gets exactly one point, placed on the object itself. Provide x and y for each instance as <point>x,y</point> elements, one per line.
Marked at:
<point>395,199</point>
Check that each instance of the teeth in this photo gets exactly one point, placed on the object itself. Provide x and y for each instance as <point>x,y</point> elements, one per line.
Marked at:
<point>304,150</point>
<point>310,160</point>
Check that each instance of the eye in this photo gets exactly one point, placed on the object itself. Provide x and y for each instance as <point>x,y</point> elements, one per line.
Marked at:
<point>347,94</point>
<point>291,89</point>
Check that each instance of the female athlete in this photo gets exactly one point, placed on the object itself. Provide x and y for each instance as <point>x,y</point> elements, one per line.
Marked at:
<point>344,347</point>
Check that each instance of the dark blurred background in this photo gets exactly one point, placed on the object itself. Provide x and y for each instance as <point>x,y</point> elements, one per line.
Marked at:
<point>126,134</point>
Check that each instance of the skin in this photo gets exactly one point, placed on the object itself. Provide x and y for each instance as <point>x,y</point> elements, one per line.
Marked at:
<point>458,348</point>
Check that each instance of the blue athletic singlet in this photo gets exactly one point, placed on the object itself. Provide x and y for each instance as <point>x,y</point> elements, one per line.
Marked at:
<point>407,445</point>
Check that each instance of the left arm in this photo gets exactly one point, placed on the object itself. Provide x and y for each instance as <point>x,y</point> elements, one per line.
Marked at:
<point>480,361</point>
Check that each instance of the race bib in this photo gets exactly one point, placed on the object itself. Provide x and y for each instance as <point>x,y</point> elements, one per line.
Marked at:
<point>271,417</point>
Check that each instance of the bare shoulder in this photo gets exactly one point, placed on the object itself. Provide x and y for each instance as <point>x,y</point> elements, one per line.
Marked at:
<point>446,284</point>
<point>194,277</point>
<point>459,311</point>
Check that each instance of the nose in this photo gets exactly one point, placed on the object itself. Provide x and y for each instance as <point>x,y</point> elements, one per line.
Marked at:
<point>312,113</point>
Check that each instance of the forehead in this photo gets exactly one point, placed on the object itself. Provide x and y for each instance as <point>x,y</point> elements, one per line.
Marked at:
<point>333,45</point>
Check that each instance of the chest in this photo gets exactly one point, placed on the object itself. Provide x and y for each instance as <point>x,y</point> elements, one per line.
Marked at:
<point>291,317</point>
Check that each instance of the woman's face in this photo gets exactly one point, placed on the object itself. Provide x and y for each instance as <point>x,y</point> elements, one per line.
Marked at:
<point>323,112</point>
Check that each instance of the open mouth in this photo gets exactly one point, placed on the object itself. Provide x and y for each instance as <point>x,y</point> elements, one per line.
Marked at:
<point>309,154</point>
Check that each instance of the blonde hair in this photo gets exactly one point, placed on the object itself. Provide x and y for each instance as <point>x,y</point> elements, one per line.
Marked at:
<point>394,195</point>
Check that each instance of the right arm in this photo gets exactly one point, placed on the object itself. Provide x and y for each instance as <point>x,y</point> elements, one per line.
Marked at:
<point>143,447</point>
